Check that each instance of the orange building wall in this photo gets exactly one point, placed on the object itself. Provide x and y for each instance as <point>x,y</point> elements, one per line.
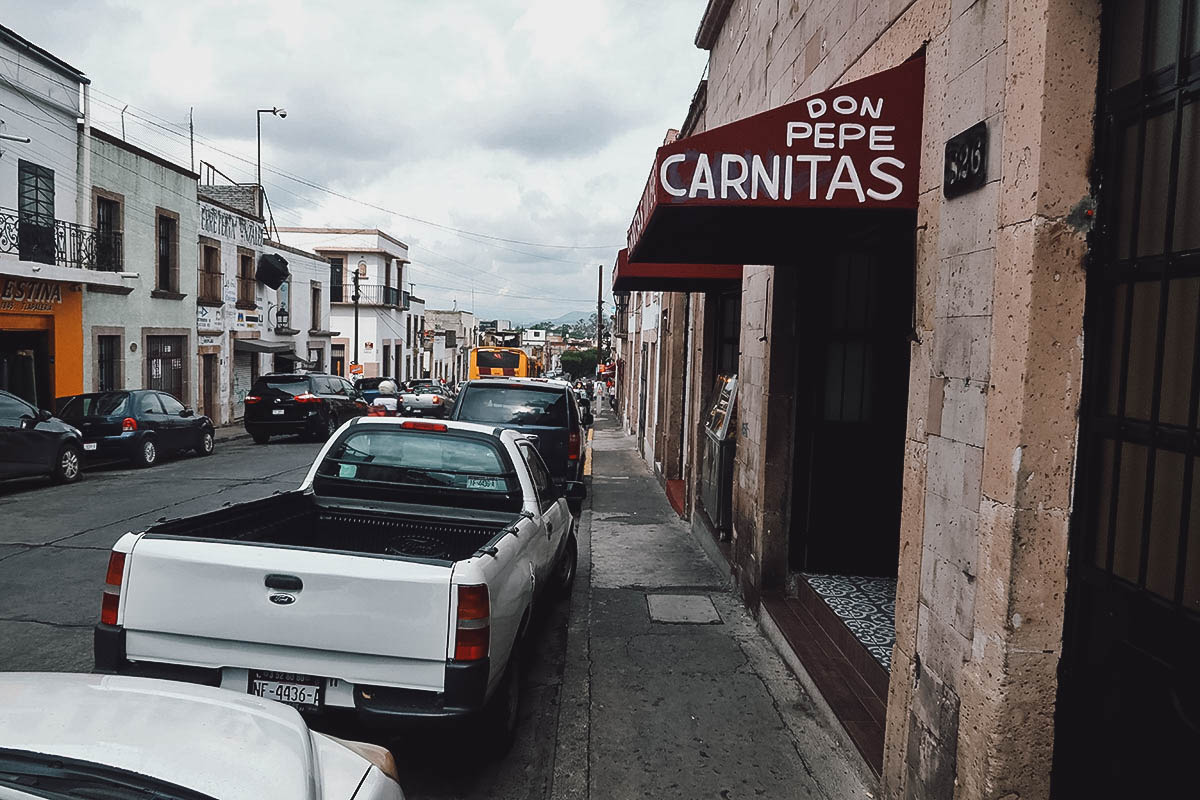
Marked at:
<point>65,325</point>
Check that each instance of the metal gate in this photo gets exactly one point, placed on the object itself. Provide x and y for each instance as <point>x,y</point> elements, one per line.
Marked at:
<point>164,365</point>
<point>1129,705</point>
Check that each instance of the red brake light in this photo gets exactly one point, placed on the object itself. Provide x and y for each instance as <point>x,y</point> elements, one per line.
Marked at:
<point>116,568</point>
<point>413,425</point>
<point>573,446</point>
<point>128,424</point>
<point>376,411</point>
<point>251,399</point>
<point>307,397</point>
<point>437,400</point>
<point>108,609</point>
<point>472,634</point>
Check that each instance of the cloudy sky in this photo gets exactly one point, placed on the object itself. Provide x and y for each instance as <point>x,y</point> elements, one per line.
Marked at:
<point>527,120</point>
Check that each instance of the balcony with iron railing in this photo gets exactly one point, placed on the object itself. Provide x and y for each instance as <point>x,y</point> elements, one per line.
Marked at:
<point>45,240</point>
<point>370,294</point>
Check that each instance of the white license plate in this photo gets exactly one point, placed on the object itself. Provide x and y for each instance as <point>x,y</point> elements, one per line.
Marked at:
<point>295,690</point>
<point>89,445</point>
<point>278,411</point>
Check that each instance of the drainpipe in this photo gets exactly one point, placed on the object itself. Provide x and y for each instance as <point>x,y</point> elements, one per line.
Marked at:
<point>83,181</point>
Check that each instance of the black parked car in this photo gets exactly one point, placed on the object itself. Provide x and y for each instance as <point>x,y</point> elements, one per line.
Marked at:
<point>310,404</point>
<point>539,406</point>
<point>138,425</point>
<point>33,442</point>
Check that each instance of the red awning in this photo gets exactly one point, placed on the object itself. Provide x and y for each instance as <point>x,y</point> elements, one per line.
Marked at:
<point>749,192</point>
<point>632,276</point>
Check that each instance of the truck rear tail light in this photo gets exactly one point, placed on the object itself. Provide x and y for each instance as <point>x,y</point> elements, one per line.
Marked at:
<point>413,425</point>
<point>307,397</point>
<point>573,446</point>
<point>111,600</point>
<point>437,401</point>
<point>472,634</point>
<point>251,399</point>
<point>128,425</point>
<point>376,411</point>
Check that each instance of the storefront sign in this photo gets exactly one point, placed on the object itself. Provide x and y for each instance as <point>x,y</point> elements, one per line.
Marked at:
<point>966,161</point>
<point>26,295</point>
<point>854,146</point>
<point>233,227</point>
<point>210,318</point>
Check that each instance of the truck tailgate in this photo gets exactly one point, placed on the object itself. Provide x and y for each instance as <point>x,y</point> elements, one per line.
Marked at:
<point>376,606</point>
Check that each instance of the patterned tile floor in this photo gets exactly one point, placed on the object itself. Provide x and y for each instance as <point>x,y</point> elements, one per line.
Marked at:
<point>866,605</point>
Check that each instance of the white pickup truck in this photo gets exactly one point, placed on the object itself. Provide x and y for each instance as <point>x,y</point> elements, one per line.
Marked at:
<point>395,583</point>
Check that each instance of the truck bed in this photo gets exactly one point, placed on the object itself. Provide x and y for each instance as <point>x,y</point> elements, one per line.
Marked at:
<point>299,519</point>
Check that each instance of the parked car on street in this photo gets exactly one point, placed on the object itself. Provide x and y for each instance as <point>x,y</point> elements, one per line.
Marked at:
<point>426,399</point>
<point>137,425</point>
<point>74,736</point>
<point>34,442</point>
<point>311,404</point>
<point>545,408</point>
<point>394,585</point>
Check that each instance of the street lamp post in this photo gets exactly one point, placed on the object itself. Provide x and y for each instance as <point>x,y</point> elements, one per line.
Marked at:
<point>282,114</point>
<point>357,273</point>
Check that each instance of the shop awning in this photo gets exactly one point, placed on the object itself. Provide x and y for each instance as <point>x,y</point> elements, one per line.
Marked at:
<point>259,346</point>
<point>632,276</point>
<point>750,192</point>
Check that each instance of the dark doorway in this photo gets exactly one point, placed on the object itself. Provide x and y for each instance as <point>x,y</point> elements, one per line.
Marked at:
<point>208,381</point>
<point>1128,713</point>
<point>164,365</point>
<point>25,366</point>
<point>642,393</point>
<point>337,360</point>
<point>854,321</point>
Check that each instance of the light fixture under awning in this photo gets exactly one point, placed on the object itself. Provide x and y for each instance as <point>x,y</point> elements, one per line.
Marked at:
<point>748,192</point>
<point>630,276</point>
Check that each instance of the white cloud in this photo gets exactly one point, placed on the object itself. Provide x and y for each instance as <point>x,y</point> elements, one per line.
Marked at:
<point>525,119</point>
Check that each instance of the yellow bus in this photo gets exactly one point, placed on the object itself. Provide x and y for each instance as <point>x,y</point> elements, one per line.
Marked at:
<point>508,361</point>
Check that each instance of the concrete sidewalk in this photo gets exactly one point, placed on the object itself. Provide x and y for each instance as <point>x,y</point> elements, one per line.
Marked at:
<point>670,689</point>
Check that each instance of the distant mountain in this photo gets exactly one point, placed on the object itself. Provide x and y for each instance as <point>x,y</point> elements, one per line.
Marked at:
<point>569,318</point>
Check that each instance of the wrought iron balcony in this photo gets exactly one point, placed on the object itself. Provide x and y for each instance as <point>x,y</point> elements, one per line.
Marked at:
<point>370,294</point>
<point>45,240</point>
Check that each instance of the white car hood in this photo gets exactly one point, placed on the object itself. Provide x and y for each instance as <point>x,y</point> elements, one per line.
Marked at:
<point>221,743</point>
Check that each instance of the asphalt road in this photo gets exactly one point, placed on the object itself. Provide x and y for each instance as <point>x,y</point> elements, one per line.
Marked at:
<point>54,544</point>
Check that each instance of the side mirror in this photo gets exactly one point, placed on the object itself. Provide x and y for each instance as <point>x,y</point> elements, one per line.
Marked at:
<point>187,412</point>
<point>43,415</point>
<point>576,490</point>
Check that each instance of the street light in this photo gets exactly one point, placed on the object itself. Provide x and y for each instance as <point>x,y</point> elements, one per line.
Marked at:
<point>362,266</point>
<point>279,112</point>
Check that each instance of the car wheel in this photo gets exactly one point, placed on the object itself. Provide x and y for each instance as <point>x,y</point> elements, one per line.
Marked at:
<point>260,438</point>
<point>500,724</point>
<point>69,466</point>
<point>206,444</point>
<point>147,453</point>
<point>564,576</point>
<point>331,425</point>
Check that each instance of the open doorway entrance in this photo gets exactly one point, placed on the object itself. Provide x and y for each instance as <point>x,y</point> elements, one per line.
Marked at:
<point>25,366</point>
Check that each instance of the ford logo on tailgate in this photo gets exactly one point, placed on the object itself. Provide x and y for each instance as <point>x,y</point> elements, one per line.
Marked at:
<point>283,599</point>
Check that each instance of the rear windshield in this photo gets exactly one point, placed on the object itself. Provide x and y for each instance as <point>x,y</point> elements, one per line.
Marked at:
<point>498,359</point>
<point>92,405</point>
<point>432,467</point>
<point>369,383</point>
<point>289,384</point>
<point>514,405</point>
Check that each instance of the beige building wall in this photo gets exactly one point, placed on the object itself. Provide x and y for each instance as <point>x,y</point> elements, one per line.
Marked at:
<point>995,368</point>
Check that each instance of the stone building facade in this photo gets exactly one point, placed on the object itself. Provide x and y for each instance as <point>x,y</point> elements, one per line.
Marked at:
<point>914,403</point>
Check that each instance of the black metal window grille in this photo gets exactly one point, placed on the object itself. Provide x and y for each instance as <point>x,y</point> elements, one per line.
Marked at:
<point>108,235</point>
<point>1142,442</point>
<point>335,280</point>
<point>35,209</point>
<point>108,351</point>
<point>168,237</point>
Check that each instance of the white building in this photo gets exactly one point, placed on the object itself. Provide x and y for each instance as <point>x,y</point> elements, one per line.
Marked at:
<point>48,253</point>
<point>298,311</point>
<point>461,335</point>
<point>382,340</point>
<point>142,334</point>
<point>533,337</point>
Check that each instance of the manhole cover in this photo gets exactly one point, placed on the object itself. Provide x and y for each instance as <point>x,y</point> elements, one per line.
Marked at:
<point>696,609</point>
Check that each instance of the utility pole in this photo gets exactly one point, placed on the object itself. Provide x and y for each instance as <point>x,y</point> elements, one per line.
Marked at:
<point>356,296</point>
<point>192,136</point>
<point>599,310</point>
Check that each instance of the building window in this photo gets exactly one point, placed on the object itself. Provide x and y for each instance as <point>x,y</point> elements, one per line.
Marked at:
<point>108,353</point>
<point>335,280</point>
<point>166,271</point>
<point>35,208</point>
<point>245,290</point>
<point>210,271</point>
<point>315,325</point>
<point>110,254</point>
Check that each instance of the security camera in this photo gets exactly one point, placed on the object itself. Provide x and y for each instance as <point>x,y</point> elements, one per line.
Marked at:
<point>282,113</point>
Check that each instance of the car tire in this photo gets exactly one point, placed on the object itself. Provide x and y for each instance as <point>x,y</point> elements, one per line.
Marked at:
<point>68,468</point>
<point>207,443</point>
<point>502,713</point>
<point>147,453</point>
<point>331,426</point>
<point>260,438</point>
<point>564,573</point>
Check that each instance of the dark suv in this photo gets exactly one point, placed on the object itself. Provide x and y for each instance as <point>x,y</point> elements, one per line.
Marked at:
<point>539,406</point>
<point>310,404</point>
